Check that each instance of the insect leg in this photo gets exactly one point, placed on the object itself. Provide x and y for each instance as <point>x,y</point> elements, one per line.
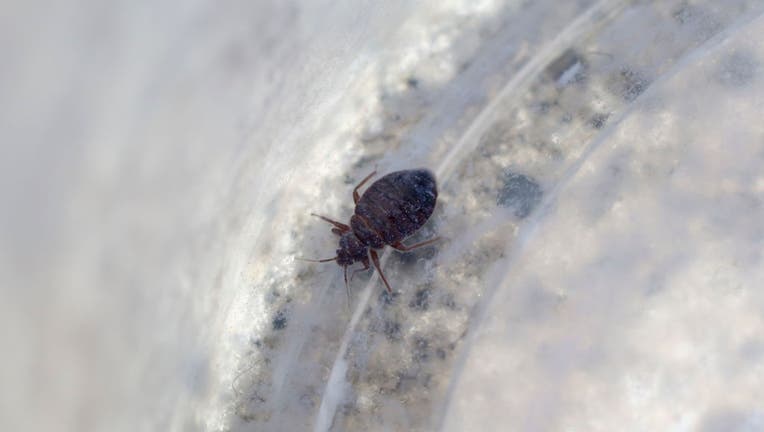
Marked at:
<point>341,226</point>
<point>375,259</point>
<point>347,287</point>
<point>402,247</point>
<point>357,197</point>
<point>365,267</point>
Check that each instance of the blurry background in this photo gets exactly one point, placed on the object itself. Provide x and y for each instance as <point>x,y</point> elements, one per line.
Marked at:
<point>601,204</point>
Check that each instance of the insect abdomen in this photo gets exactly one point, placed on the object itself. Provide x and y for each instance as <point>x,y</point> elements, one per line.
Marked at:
<point>365,233</point>
<point>398,204</point>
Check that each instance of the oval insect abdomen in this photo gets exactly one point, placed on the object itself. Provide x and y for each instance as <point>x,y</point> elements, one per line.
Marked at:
<point>399,203</point>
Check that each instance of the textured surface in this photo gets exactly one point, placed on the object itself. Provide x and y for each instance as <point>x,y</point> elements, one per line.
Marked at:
<point>600,205</point>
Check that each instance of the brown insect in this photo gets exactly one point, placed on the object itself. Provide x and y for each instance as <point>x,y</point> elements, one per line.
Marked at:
<point>391,209</point>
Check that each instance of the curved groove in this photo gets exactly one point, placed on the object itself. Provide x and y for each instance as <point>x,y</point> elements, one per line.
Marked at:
<point>332,392</point>
<point>280,374</point>
<point>330,397</point>
<point>528,231</point>
<point>604,8</point>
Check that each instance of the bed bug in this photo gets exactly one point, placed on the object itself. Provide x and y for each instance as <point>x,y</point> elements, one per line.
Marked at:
<point>391,209</point>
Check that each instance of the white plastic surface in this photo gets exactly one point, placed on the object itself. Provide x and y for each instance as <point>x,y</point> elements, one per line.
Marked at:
<point>600,169</point>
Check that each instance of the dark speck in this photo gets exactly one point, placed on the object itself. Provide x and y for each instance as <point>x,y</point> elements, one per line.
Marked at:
<point>520,193</point>
<point>543,107</point>
<point>448,301</point>
<point>412,82</point>
<point>280,320</point>
<point>405,382</point>
<point>386,298</point>
<point>272,296</point>
<point>421,300</point>
<point>598,120</point>
<point>393,330</point>
<point>632,84</point>
<point>562,64</point>
<point>421,349</point>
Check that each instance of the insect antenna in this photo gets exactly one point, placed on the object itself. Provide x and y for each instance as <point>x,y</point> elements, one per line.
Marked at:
<point>347,287</point>
<point>314,260</point>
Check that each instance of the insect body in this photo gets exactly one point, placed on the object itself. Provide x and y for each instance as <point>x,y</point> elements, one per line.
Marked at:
<point>391,209</point>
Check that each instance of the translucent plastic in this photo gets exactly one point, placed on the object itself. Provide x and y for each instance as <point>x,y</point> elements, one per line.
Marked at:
<point>600,206</point>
